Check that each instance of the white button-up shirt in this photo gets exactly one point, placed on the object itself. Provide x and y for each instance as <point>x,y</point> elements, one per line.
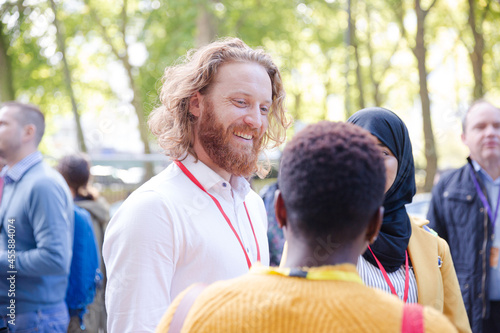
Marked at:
<point>170,234</point>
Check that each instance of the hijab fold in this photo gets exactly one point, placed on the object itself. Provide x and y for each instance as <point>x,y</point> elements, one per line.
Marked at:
<point>392,241</point>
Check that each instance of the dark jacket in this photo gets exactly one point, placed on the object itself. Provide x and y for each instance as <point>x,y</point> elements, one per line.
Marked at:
<point>457,214</point>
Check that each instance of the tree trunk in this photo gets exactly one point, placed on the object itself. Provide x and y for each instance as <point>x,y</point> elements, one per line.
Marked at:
<point>375,82</point>
<point>347,104</point>
<point>6,78</point>
<point>371,70</point>
<point>298,103</point>
<point>139,111</point>
<point>67,77</point>
<point>324,115</point>
<point>477,54</point>
<point>206,25</point>
<point>420,54</point>
<point>359,76</point>
<point>328,86</point>
<point>136,100</point>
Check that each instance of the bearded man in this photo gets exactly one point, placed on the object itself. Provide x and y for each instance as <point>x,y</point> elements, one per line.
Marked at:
<point>198,220</point>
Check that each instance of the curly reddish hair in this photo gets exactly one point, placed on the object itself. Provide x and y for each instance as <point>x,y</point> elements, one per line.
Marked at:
<point>172,123</point>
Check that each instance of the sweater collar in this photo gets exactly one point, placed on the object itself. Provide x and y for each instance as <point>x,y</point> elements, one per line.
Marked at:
<point>342,272</point>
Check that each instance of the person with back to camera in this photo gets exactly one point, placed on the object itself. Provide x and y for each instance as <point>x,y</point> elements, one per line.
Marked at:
<point>464,211</point>
<point>198,220</point>
<point>76,171</point>
<point>407,259</point>
<point>330,210</point>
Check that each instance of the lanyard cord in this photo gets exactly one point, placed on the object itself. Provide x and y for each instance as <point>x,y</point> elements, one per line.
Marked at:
<point>386,277</point>
<point>318,275</point>
<point>217,203</point>
<point>493,218</point>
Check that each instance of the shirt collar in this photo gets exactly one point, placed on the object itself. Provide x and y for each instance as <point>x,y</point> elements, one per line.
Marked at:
<point>208,178</point>
<point>484,174</point>
<point>14,173</point>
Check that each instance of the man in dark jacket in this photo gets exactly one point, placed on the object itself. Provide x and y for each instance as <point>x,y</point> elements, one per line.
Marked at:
<point>464,211</point>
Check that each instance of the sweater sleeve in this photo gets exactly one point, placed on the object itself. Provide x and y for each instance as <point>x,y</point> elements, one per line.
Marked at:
<point>435,322</point>
<point>166,320</point>
<point>453,307</point>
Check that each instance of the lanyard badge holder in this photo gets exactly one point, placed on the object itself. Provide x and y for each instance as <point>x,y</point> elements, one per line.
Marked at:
<point>494,250</point>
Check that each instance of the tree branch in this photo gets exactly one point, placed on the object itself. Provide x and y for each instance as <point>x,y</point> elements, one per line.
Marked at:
<point>426,11</point>
<point>485,11</point>
<point>124,21</point>
<point>460,32</point>
<point>105,35</point>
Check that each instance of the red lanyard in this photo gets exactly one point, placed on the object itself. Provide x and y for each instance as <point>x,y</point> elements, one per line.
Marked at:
<point>407,276</point>
<point>197,183</point>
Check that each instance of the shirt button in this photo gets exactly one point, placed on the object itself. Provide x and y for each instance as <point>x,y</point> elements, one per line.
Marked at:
<point>446,194</point>
<point>224,184</point>
<point>479,295</point>
<point>469,197</point>
<point>481,210</point>
<point>248,251</point>
<point>481,252</point>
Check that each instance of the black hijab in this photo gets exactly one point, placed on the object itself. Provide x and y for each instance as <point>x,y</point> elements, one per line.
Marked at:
<point>395,233</point>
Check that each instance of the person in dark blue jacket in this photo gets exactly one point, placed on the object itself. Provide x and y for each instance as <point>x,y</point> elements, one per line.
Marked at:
<point>464,211</point>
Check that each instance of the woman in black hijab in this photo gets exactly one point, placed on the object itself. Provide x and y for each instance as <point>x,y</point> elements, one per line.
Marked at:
<point>407,259</point>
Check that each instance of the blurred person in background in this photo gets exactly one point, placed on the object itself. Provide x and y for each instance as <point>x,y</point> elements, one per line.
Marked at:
<point>408,259</point>
<point>76,171</point>
<point>464,211</point>
<point>198,220</point>
<point>36,218</point>
<point>275,236</point>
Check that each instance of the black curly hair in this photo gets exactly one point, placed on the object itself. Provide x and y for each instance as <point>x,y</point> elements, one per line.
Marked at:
<point>332,179</point>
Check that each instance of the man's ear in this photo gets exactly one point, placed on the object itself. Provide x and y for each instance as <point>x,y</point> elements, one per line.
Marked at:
<point>280,210</point>
<point>195,104</point>
<point>29,133</point>
<point>374,225</point>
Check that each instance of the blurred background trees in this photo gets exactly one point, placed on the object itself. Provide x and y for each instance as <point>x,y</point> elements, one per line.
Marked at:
<point>95,67</point>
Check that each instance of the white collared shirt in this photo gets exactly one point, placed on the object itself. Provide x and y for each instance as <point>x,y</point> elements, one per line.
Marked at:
<point>169,234</point>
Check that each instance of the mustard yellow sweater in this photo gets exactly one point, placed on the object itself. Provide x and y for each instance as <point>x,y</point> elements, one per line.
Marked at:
<point>273,303</point>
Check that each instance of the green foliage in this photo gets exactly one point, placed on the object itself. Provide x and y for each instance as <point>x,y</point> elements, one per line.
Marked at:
<point>307,38</point>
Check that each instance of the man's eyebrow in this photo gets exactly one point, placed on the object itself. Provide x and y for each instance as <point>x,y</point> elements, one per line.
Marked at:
<point>248,95</point>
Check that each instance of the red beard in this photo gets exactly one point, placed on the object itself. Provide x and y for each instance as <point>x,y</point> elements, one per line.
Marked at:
<point>220,145</point>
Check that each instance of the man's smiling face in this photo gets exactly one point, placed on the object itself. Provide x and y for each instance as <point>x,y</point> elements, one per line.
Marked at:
<point>234,117</point>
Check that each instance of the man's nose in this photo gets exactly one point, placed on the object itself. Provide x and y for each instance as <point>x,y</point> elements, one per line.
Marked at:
<point>253,118</point>
<point>492,130</point>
